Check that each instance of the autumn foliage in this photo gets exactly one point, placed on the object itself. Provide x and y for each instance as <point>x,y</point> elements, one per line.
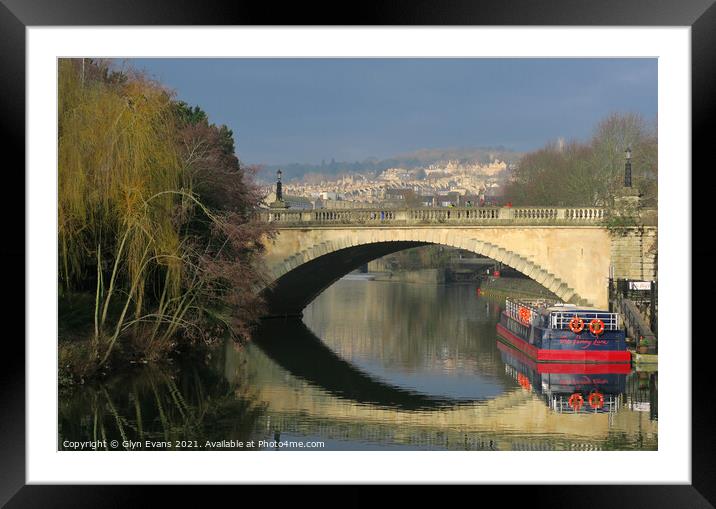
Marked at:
<point>154,217</point>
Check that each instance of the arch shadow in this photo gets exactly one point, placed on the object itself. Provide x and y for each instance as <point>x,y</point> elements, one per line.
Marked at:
<point>303,276</point>
<point>294,347</point>
<point>294,290</point>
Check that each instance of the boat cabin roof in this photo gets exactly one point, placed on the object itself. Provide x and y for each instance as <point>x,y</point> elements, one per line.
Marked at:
<point>547,306</point>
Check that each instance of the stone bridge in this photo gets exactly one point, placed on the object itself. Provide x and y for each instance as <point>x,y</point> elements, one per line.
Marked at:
<point>569,251</point>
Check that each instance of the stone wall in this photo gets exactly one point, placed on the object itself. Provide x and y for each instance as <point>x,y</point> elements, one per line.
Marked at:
<point>573,262</point>
<point>633,253</point>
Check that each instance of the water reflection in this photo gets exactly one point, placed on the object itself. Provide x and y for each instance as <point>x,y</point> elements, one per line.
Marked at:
<point>158,408</point>
<point>574,388</point>
<point>292,345</point>
<point>374,365</point>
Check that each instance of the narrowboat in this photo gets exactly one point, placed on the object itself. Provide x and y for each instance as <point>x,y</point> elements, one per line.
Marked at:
<point>551,331</point>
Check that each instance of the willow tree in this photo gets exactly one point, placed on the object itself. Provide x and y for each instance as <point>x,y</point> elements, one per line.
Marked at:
<point>121,192</point>
<point>155,215</point>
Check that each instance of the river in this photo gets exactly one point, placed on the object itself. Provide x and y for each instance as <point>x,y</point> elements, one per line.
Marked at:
<point>373,365</point>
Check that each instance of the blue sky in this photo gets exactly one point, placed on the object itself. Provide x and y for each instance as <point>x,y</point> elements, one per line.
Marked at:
<point>307,110</point>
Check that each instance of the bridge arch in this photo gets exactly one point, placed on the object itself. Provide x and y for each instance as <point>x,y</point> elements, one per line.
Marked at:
<point>298,278</point>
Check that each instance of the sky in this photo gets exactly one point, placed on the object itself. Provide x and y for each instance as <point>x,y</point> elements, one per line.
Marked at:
<point>308,110</point>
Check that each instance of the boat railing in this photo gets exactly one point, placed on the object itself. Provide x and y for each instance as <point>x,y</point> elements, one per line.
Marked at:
<point>525,310</point>
<point>611,404</point>
<point>514,309</point>
<point>561,319</point>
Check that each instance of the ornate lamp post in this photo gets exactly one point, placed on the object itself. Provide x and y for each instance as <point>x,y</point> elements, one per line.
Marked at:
<point>627,168</point>
<point>628,198</point>
<point>278,202</point>
<point>279,186</point>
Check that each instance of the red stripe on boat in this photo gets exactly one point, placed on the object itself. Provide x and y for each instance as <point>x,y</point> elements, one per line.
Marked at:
<point>565,368</point>
<point>542,355</point>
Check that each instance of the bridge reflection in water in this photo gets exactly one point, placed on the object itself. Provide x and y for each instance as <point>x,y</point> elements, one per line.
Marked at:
<point>374,380</point>
<point>373,365</point>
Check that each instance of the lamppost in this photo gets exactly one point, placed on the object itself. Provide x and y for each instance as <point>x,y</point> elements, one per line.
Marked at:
<point>627,168</point>
<point>279,186</point>
<point>278,203</point>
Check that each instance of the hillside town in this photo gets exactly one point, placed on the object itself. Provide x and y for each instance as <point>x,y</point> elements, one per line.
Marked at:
<point>446,184</point>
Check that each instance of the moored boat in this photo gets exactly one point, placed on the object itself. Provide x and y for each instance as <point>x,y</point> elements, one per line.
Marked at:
<point>550,331</point>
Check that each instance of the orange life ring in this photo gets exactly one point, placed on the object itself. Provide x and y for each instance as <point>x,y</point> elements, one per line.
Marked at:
<point>525,315</point>
<point>596,400</point>
<point>596,327</point>
<point>576,401</point>
<point>576,324</point>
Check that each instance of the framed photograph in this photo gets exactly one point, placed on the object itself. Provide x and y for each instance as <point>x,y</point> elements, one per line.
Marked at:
<point>424,248</point>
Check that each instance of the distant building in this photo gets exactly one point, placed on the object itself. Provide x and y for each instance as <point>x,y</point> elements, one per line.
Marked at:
<point>293,202</point>
<point>446,200</point>
<point>395,175</point>
<point>398,194</point>
<point>428,200</point>
<point>343,204</point>
<point>328,195</point>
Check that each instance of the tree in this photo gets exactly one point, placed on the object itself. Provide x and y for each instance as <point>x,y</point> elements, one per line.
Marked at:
<point>228,244</point>
<point>120,185</point>
<point>154,213</point>
<point>612,137</point>
<point>589,173</point>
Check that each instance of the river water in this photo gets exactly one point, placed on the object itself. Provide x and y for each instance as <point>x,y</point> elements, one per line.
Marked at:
<point>373,365</point>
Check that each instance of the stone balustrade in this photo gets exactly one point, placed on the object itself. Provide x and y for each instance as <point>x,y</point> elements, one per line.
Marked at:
<point>420,216</point>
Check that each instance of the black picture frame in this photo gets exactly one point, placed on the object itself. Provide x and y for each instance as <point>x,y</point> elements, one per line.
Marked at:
<point>16,15</point>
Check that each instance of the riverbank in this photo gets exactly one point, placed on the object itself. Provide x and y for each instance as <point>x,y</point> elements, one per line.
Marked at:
<point>84,356</point>
<point>420,276</point>
<point>644,361</point>
<point>492,287</point>
<point>514,287</point>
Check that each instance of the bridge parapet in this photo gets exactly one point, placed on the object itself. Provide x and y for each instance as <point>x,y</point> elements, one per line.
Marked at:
<point>419,216</point>
<point>571,251</point>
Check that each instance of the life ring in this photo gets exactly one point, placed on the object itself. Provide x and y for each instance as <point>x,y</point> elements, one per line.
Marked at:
<point>576,324</point>
<point>576,401</point>
<point>525,315</point>
<point>596,327</point>
<point>523,381</point>
<point>596,400</point>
